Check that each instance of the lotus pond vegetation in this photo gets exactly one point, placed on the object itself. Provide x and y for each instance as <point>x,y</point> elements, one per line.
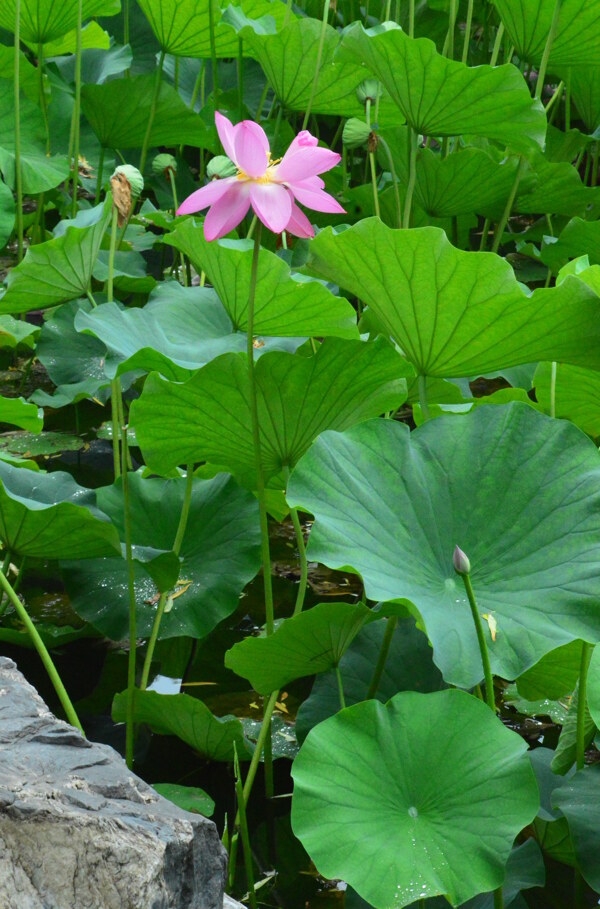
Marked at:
<point>299,469</point>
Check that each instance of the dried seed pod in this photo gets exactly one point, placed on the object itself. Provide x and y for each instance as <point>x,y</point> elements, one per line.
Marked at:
<point>126,184</point>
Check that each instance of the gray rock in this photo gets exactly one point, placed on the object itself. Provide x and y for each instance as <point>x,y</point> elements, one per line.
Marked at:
<point>78,830</point>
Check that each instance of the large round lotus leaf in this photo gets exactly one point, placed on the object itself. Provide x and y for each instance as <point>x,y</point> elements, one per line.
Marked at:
<point>418,798</point>
<point>579,801</point>
<point>517,491</point>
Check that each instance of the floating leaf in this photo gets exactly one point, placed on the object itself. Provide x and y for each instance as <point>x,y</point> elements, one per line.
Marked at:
<point>393,505</point>
<point>421,810</point>
<point>189,719</point>
<point>48,515</point>
<point>310,642</point>
<point>220,554</point>
<point>457,313</point>
<point>441,97</point>
<point>208,417</point>
<point>287,305</point>
<point>58,270</point>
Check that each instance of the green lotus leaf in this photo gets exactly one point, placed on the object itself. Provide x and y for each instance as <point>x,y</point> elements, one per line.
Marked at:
<point>19,412</point>
<point>7,213</point>
<point>29,79</point>
<point>15,331</point>
<point>393,505</point>
<point>550,825</point>
<point>190,798</point>
<point>288,57</point>
<point>286,305</point>
<point>578,238</point>
<point>46,20</point>
<point>577,394</point>
<point>441,97</point>
<point>92,38</point>
<point>39,172</point>
<point>457,313</point>
<point>220,555</point>
<point>58,270</point>
<point>555,676</point>
<point>311,642</point>
<point>565,754</point>
<point>48,515</point>
<point>118,113</point>
<point>585,91</point>
<point>189,719</point>
<point>402,814</point>
<point>208,417</point>
<point>409,667</point>
<point>576,40</point>
<point>182,27</point>
<point>579,801</point>
<point>96,65</point>
<point>593,686</point>
<point>129,272</point>
<point>559,190</point>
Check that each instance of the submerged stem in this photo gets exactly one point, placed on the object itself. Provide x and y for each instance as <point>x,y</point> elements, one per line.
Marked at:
<point>42,651</point>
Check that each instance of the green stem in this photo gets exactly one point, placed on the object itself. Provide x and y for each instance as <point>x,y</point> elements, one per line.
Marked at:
<point>260,742</point>
<point>131,662</point>
<point>372,164</point>
<point>383,655</point>
<point>42,651</point>
<point>313,90</point>
<point>568,101</point>
<point>555,96</point>
<point>483,648</point>
<point>303,561</point>
<point>422,383</point>
<point>465,51</point>
<point>498,899</point>
<point>153,105</point>
<point>412,176</point>
<point>553,372</point>
<point>388,153</point>
<point>484,234</point>
<point>508,208</point>
<point>243,824</point>
<point>340,683</point>
<point>497,45</point>
<point>100,172</point>
<point>411,18</point>
<point>547,48</point>
<point>115,384</point>
<point>42,95</point>
<point>17,103</point>
<point>449,43</point>
<point>240,78</point>
<point>260,481</point>
<point>177,543</point>
<point>213,50</point>
<point>586,655</point>
<point>77,108</point>
<point>125,21</point>
<point>197,84</point>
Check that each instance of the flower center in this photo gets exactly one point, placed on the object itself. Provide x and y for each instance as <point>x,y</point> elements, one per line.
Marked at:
<point>267,177</point>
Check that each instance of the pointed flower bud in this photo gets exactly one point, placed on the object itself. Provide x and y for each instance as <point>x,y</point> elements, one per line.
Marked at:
<point>356,133</point>
<point>369,90</point>
<point>163,164</point>
<point>460,561</point>
<point>220,167</point>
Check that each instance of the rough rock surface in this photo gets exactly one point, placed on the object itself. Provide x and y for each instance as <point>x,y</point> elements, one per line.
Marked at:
<point>78,830</point>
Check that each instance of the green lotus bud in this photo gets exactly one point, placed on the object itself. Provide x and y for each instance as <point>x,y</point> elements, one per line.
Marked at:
<point>369,90</point>
<point>460,561</point>
<point>162,164</point>
<point>356,133</point>
<point>133,177</point>
<point>219,167</point>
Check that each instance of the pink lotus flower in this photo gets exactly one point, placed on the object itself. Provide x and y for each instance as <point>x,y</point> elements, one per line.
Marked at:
<point>270,187</point>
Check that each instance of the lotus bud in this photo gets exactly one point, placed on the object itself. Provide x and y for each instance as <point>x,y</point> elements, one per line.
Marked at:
<point>460,561</point>
<point>163,165</point>
<point>126,184</point>
<point>356,133</point>
<point>220,167</point>
<point>369,90</point>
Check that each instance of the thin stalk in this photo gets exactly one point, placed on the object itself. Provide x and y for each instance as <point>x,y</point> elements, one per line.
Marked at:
<point>412,176</point>
<point>240,78</point>
<point>260,481</point>
<point>539,85</point>
<point>42,94</point>
<point>568,102</point>
<point>115,384</point>
<point>77,108</point>
<point>261,103</point>
<point>586,655</point>
<point>213,49</point>
<point>125,21</point>
<point>131,662</point>
<point>555,96</point>
<point>422,383</point>
<point>243,824</point>
<point>484,234</point>
<point>153,105</point>
<point>483,648</point>
<point>388,153</point>
<point>260,742</point>
<point>467,39</point>
<point>17,102</point>
<point>340,683</point>
<point>449,42</point>
<point>411,18</point>
<point>303,561</point>
<point>100,172</point>
<point>171,179</point>
<point>5,569</point>
<point>371,155</point>
<point>313,90</point>
<point>553,372</point>
<point>596,153</point>
<point>197,84</point>
<point>181,528</point>
<point>497,45</point>
<point>288,10</point>
<point>508,208</point>
<point>42,652</point>
<point>383,655</point>
<point>498,898</point>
